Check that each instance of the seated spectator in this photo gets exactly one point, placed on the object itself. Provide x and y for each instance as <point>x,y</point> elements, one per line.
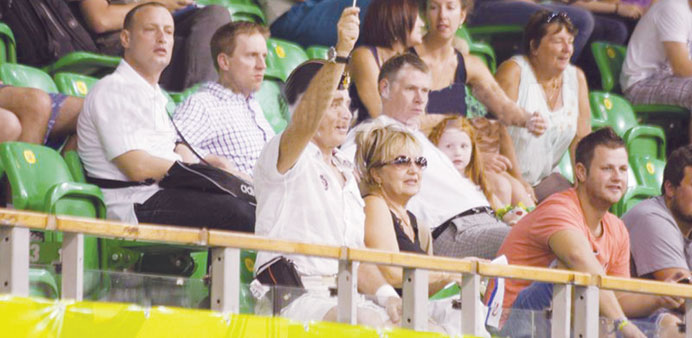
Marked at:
<point>390,28</point>
<point>658,69</point>
<point>456,137</point>
<point>518,12</point>
<point>34,116</point>
<point>191,61</point>
<point>308,22</point>
<point>306,191</point>
<point>660,227</point>
<point>224,119</point>
<point>448,94</point>
<point>543,80</point>
<point>574,230</point>
<point>456,209</point>
<point>127,141</point>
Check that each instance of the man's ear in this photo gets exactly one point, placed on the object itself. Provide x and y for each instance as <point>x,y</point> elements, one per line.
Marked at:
<point>125,38</point>
<point>222,60</point>
<point>580,172</point>
<point>668,189</point>
<point>383,87</point>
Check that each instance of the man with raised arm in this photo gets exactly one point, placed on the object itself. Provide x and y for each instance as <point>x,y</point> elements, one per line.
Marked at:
<point>127,141</point>
<point>573,230</point>
<point>306,190</point>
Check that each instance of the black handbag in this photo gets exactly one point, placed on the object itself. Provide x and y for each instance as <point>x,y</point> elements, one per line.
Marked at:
<point>203,177</point>
<point>281,274</point>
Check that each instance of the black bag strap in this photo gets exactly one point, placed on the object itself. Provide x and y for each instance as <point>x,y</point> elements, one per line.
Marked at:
<point>116,184</point>
<point>185,142</point>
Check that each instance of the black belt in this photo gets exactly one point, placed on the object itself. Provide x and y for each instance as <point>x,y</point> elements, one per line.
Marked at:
<point>105,183</point>
<point>473,211</point>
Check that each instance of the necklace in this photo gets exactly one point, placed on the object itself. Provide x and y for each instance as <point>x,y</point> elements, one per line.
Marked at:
<point>552,90</point>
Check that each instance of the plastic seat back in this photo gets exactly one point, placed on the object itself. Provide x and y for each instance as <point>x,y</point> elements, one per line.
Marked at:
<point>74,165</point>
<point>317,52</point>
<point>25,76</point>
<point>480,49</point>
<point>74,84</point>
<point>632,197</point>
<point>86,63</point>
<point>609,59</point>
<point>648,171</point>
<point>8,45</point>
<point>565,167</point>
<point>273,105</point>
<point>282,57</point>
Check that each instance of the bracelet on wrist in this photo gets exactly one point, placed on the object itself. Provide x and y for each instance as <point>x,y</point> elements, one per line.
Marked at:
<point>619,324</point>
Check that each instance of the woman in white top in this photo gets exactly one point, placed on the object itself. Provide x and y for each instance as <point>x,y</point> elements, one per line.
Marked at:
<point>543,80</point>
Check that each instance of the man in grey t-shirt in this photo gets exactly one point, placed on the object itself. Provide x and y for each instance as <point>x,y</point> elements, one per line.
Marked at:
<point>660,227</point>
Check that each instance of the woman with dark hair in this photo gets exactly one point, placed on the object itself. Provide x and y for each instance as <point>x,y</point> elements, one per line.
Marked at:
<point>452,70</point>
<point>390,28</point>
<point>543,80</point>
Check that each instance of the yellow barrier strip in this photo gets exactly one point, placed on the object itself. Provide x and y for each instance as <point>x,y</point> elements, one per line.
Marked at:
<point>252,242</point>
<point>645,286</point>
<point>535,274</point>
<point>411,260</point>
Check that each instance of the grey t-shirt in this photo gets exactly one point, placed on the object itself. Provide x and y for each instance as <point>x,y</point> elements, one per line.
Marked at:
<point>656,242</point>
<point>275,8</point>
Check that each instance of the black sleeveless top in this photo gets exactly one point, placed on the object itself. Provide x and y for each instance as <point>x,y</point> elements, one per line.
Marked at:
<point>357,106</point>
<point>405,243</point>
<point>451,99</point>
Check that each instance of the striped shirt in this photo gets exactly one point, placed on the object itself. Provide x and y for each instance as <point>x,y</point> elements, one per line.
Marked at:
<point>215,120</point>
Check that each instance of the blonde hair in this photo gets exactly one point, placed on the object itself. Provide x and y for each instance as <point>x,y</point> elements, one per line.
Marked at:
<point>474,170</point>
<point>377,144</point>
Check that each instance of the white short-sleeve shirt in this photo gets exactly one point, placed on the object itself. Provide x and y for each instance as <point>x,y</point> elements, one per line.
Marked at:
<point>123,112</point>
<point>666,20</point>
<point>444,192</point>
<point>307,204</point>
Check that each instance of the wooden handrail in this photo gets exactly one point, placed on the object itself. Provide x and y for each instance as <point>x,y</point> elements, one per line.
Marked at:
<point>218,238</point>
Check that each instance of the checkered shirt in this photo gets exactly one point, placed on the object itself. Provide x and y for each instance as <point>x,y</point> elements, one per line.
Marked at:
<point>215,120</point>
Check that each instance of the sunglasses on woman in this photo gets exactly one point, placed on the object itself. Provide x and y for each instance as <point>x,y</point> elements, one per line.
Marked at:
<point>401,161</point>
<point>556,15</point>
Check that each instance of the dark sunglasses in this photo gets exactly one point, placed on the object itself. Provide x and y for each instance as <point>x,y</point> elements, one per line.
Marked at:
<point>400,161</point>
<point>556,15</point>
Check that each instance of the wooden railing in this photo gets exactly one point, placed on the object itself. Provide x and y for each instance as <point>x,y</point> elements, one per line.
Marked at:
<point>225,281</point>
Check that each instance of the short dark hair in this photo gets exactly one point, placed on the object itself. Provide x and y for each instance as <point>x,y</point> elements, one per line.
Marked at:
<point>392,67</point>
<point>537,27</point>
<point>388,21</point>
<point>223,40</point>
<point>675,167</point>
<point>130,16</point>
<point>300,78</point>
<point>601,137</point>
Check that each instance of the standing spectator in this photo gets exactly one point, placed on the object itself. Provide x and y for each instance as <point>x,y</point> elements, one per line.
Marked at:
<point>391,27</point>
<point>574,230</point>
<point>658,69</point>
<point>191,61</point>
<point>306,190</point>
<point>543,80</point>
<point>223,118</point>
<point>308,22</point>
<point>127,141</point>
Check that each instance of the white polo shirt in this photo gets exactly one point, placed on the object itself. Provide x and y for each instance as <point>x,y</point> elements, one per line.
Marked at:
<point>444,192</point>
<point>307,204</point>
<point>123,112</point>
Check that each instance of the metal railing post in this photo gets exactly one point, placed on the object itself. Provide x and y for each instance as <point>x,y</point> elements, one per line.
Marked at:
<point>14,263</point>
<point>225,279</point>
<point>472,320</point>
<point>688,318</point>
<point>415,300</point>
<point>562,304</point>
<point>72,266</point>
<point>347,291</point>
<point>586,311</point>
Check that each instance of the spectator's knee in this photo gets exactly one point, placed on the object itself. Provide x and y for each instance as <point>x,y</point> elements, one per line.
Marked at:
<point>10,128</point>
<point>35,107</point>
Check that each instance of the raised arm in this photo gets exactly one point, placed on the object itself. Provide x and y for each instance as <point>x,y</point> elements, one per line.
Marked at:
<point>364,72</point>
<point>101,16</point>
<point>318,97</point>
<point>679,58</point>
<point>489,92</point>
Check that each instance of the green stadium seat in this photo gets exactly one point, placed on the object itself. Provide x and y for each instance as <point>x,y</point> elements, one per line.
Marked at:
<point>632,197</point>
<point>480,49</point>
<point>42,283</point>
<point>648,171</point>
<point>86,63</point>
<point>609,59</point>
<point>178,98</point>
<point>273,105</point>
<point>317,52</point>
<point>565,167</point>
<point>642,140</point>
<point>25,76</point>
<point>74,84</point>
<point>8,45</point>
<point>282,57</point>
<point>240,10</point>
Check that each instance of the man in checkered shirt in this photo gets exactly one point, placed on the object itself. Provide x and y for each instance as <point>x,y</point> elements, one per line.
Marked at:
<point>223,121</point>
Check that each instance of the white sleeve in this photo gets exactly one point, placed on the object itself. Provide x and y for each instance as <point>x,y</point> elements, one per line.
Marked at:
<point>673,22</point>
<point>265,168</point>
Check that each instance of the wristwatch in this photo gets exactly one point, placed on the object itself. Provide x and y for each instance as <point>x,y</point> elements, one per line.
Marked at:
<point>333,58</point>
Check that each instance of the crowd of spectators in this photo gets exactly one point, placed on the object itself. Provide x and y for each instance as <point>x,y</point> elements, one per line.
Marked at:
<point>410,173</point>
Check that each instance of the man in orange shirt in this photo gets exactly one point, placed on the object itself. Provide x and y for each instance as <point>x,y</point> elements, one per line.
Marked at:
<point>574,230</point>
